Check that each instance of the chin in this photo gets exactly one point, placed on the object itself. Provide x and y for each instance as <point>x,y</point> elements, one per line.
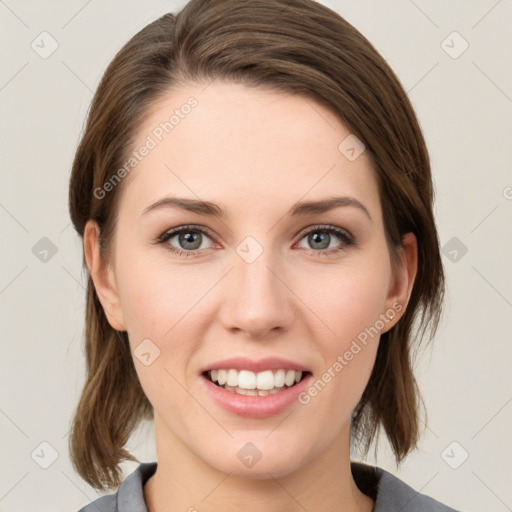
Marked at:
<point>258,460</point>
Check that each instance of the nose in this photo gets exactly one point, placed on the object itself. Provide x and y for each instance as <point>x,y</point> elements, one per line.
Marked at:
<point>257,300</point>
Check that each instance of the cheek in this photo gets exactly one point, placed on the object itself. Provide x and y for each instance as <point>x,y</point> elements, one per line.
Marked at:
<point>348,354</point>
<point>348,358</point>
<point>159,305</point>
<point>153,297</point>
<point>357,305</point>
<point>347,299</point>
<point>162,303</point>
<point>349,303</point>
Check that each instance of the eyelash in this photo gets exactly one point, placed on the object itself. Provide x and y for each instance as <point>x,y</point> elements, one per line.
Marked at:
<point>347,239</point>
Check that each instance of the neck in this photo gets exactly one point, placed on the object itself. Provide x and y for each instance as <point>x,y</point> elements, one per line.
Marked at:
<point>185,482</point>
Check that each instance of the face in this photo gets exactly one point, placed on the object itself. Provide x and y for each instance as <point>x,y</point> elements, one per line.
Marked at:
<point>266,279</point>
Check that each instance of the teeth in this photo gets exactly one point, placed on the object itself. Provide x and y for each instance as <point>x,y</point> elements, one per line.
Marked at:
<point>252,392</point>
<point>246,380</point>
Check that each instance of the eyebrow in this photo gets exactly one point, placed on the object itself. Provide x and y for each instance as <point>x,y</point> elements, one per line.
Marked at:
<point>298,209</point>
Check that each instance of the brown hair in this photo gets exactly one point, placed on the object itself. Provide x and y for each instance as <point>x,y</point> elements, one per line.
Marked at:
<point>295,46</point>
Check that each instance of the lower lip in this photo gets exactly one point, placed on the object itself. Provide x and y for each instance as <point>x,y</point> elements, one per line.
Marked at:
<point>256,406</point>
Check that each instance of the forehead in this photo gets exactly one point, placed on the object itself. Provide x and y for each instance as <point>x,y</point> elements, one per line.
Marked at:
<point>232,143</point>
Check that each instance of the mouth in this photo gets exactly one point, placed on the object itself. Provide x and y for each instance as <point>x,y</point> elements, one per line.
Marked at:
<point>245,382</point>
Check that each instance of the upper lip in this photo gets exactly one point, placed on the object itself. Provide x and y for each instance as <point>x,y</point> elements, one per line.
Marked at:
<point>267,363</point>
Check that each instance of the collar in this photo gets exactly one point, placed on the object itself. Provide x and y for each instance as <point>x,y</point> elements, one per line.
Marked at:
<point>388,491</point>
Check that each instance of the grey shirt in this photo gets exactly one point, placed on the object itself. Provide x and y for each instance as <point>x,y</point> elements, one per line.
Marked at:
<point>389,492</point>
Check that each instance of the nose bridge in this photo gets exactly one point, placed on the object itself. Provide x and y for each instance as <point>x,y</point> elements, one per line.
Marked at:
<point>256,280</point>
<point>258,301</point>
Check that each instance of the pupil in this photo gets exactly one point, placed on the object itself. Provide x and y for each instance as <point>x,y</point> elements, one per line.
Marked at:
<point>320,238</point>
<point>190,238</point>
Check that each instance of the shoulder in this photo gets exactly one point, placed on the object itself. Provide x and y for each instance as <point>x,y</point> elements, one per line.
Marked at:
<point>394,493</point>
<point>129,495</point>
<point>106,503</point>
<point>391,493</point>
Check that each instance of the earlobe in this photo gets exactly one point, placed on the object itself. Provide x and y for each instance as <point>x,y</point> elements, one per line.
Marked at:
<point>102,277</point>
<point>401,289</point>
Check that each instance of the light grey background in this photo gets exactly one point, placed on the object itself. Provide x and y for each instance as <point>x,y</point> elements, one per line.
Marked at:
<point>464,105</point>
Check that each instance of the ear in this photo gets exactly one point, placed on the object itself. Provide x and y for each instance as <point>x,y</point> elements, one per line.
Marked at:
<point>102,276</point>
<point>401,286</point>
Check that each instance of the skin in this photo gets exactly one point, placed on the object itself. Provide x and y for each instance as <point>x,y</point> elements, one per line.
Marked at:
<point>254,152</point>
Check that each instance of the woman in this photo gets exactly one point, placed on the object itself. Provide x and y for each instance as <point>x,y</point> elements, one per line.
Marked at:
<point>255,200</point>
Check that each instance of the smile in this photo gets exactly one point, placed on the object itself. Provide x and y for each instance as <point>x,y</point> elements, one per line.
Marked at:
<point>246,382</point>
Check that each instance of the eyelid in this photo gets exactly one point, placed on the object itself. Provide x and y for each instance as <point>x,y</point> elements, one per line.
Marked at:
<point>304,231</point>
<point>326,227</point>
<point>346,238</point>
<point>170,233</point>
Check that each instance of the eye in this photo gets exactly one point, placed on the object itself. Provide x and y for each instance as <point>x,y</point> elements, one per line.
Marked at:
<point>188,240</point>
<point>321,239</point>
